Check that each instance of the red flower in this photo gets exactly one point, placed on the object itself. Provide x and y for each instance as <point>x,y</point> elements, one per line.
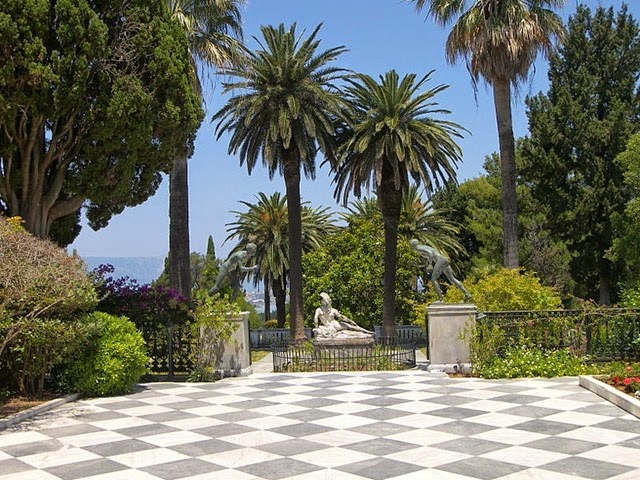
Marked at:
<point>627,381</point>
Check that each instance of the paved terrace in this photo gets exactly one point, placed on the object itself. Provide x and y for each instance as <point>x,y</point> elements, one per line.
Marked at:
<point>344,426</point>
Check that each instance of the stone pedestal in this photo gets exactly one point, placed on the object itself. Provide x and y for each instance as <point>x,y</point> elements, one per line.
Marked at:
<point>364,341</point>
<point>233,357</point>
<point>448,352</point>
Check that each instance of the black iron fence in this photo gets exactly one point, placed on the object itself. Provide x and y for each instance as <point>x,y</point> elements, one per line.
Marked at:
<point>310,357</point>
<point>169,349</point>
<point>602,333</point>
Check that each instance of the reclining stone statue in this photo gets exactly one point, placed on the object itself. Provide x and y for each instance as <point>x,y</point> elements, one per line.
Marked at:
<point>331,324</point>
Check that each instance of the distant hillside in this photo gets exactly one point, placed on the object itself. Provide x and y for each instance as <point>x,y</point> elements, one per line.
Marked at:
<point>143,269</point>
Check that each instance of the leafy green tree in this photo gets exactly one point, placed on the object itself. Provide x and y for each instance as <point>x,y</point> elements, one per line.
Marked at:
<point>282,112</point>
<point>499,40</point>
<point>391,136</point>
<point>350,268</point>
<point>212,28</point>
<point>96,102</point>
<point>475,206</point>
<point>577,130</point>
<point>265,223</point>
<point>625,249</point>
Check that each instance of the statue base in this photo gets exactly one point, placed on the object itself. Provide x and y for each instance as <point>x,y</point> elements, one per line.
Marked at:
<point>364,341</point>
<point>446,325</point>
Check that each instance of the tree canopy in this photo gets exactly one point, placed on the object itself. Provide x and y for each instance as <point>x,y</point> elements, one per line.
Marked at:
<point>577,130</point>
<point>97,99</point>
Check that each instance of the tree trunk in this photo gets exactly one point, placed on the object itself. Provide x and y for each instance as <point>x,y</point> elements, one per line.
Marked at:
<point>267,299</point>
<point>280,295</point>
<point>604,289</point>
<point>502,101</point>
<point>390,199</point>
<point>292,181</point>
<point>179,268</point>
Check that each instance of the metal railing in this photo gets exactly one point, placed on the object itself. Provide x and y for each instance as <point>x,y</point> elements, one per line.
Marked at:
<point>389,355</point>
<point>602,333</point>
<point>266,337</point>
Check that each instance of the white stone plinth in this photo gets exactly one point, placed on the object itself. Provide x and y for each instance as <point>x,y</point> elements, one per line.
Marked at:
<point>446,324</point>
<point>231,358</point>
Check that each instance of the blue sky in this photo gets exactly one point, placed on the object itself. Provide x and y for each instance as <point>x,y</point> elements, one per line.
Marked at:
<point>381,35</point>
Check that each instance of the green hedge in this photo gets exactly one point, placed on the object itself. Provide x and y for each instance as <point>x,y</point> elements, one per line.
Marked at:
<point>114,361</point>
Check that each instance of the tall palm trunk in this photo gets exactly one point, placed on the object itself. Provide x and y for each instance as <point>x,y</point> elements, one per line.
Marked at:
<point>267,297</point>
<point>292,181</point>
<point>390,199</point>
<point>502,101</point>
<point>280,295</point>
<point>179,268</point>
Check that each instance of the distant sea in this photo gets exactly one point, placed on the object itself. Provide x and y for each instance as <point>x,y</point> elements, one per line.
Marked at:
<point>142,269</point>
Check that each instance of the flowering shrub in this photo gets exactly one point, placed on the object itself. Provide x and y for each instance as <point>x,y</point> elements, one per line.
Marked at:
<point>625,377</point>
<point>142,304</point>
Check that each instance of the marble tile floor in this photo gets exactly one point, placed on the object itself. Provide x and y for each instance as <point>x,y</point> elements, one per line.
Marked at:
<point>344,426</point>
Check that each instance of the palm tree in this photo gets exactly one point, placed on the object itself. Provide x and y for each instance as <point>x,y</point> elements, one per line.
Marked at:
<point>499,41</point>
<point>266,224</point>
<point>212,28</point>
<point>420,220</point>
<point>391,137</point>
<point>282,112</point>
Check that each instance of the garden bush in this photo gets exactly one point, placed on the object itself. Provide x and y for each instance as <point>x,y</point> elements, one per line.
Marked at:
<point>113,361</point>
<point>509,289</point>
<point>34,351</point>
<point>38,279</point>
<point>522,361</point>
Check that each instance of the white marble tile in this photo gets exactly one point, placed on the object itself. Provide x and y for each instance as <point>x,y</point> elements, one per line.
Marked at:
<point>145,458</point>
<point>174,438</point>
<point>29,475</point>
<point>487,405</point>
<point>122,475</point>
<point>600,435</point>
<point>559,404</point>
<point>8,439</point>
<point>253,439</point>
<point>144,410</point>
<point>616,454</point>
<point>346,408</point>
<point>427,456</point>
<point>93,438</point>
<point>279,409</point>
<point>339,438</point>
<point>496,419</point>
<point>239,458</point>
<point>577,418</point>
<point>540,474</point>
<point>268,422</point>
<point>351,397</point>
<point>418,420</point>
<point>194,423</point>
<point>58,457</point>
<point>423,437</point>
<point>332,457</point>
<point>509,436</point>
<point>119,423</point>
<point>527,457</point>
<point>210,410</point>
<point>344,421</point>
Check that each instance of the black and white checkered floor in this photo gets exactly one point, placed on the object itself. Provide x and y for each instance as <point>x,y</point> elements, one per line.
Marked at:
<point>343,426</point>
